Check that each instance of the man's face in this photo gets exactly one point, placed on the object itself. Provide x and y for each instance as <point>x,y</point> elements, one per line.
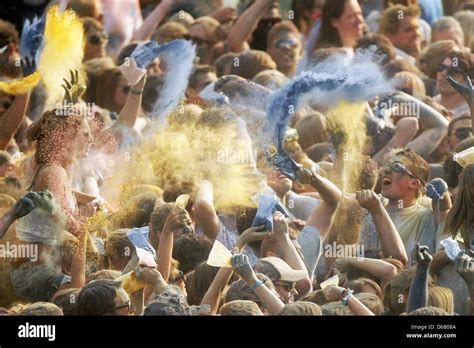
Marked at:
<point>408,37</point>
<point>286,291</point>
<point>396,185</point>
<point>278,181</point>
<point>286,51</point>
<point>461,130</point>
<point>96,42</point>
<point>10,59</point>
<point>448,68</point>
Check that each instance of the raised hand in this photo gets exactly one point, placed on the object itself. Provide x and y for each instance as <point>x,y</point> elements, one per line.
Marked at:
<point>464,265</point>
<point>305,175</point>
<point>252,234</point>
<point>73,88</point>
<point>28,66</point>
<point>333,293</point>
<point>132,73</point>
<point>421,255</point>
<point>467,90</point>
<point>241,265</point>
<point>280,224</point>
<point>368,199</point>
<point>436,189</point>
<point>177,219</point>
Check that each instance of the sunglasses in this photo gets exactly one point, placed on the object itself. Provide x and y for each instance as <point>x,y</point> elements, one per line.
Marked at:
<point>96,39</point>
<point>181,277</point>
<point>286,43</point>
<point>126,89</point>
<point>451,70</point>
<point>463,133</point>
<point>290,287</point>
<point>400,168</point>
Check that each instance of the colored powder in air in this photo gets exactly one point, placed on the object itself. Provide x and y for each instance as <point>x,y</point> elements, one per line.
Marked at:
<point>63,51</point>
<point>179,158</point>
<point>348,123</point>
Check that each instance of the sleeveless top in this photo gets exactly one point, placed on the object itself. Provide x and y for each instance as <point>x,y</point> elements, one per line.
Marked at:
<point>41,225</point>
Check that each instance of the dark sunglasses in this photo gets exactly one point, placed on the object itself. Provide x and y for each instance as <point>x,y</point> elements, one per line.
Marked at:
<point>181,277</point>
<point>451,69</point>
<point>463,133</point>
<point>400,168</point>
<point>126,89</point>
<point>290,287</point>
<point>96,39</point>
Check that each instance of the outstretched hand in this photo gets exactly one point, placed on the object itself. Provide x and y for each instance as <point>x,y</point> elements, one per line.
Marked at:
<point>241,265</point>
<point>252,234</point>
<point>132,73</point>
<point>464,265</point>
<point>436,189</point>
<point>73,88</point>
<point>466,91</point>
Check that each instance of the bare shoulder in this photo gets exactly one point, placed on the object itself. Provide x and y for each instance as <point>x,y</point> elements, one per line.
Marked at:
<point>50,174</point>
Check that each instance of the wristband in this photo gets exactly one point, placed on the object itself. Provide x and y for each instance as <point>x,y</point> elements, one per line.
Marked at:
<point>256,285</point>
<point>346,296</point>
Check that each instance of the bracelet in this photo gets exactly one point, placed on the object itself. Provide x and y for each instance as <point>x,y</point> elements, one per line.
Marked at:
<point>345,297</point>
<point>136,91</point>
<point>257,284</point>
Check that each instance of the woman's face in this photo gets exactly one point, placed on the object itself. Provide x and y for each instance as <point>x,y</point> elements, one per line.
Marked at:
<point>82,140</point>
<point>121,92</point>
<point>96,42</point>
<point>350,24</point>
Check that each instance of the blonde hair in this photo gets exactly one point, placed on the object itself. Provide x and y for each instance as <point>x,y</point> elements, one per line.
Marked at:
<point>441,298</point>
<point>466,19</point>
<point>434,54</point>
<point>409,81</point>
<point>390,21</point>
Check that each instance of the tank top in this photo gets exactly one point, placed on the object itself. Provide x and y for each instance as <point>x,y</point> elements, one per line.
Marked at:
<point>41,225</point>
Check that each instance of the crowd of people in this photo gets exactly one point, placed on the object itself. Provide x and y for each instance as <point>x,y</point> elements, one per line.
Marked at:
<point>153,187</point>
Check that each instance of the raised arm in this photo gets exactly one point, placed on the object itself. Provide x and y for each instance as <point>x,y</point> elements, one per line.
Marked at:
<point>152,21</point>
<point>467,92</point>
<point>245,25</point>
<point>418,295</point>
<point>10,121</point>
<point>323,215</point>
<point>337,293</point>
<point>270,300</point>
<point>465,267</point>
<point>289,253</point>
<point>379,268</point>
<point>204,211</point>
<point>390,241</point>
<point>212,295</point>
<point>136,78</point>
<point>165,247</point>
